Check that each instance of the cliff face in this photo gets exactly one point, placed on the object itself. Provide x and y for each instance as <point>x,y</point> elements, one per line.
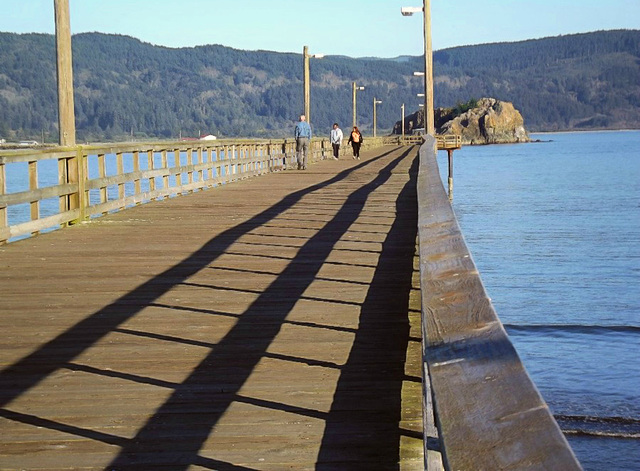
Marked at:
<point>490,121</point>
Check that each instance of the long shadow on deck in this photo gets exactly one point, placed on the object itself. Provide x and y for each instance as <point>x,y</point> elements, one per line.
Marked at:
<point>175,434</point>
<point>356,438</point>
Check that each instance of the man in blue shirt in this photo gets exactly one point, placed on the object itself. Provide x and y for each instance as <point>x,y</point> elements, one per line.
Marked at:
<point>303,137</point>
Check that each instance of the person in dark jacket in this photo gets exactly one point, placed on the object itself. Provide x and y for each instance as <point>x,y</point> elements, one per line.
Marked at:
<point>355,139</point>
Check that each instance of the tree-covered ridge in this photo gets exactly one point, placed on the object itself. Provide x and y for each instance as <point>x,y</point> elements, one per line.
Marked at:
<point>125,87</point>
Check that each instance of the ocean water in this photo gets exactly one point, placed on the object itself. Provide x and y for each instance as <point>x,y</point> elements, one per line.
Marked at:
<point>554,228</point>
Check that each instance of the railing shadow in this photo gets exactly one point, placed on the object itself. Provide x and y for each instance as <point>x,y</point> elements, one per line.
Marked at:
<point>371,379</point>
<point>175,433</point>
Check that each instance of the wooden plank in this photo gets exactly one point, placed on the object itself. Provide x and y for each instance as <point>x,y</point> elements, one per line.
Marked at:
<point>38,194</point>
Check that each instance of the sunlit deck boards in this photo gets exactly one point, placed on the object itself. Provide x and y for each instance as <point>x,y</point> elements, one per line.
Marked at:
<point>269,324</point>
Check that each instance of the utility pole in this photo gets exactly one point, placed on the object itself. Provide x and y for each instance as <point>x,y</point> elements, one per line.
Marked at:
<point>375,102</point>
<point>305,80</point>
<point>66,117</point>
<point>428,71</point>
<point>354,89</point>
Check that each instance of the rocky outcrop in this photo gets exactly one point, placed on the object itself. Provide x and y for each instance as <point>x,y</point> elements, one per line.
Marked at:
<point>488,121</point>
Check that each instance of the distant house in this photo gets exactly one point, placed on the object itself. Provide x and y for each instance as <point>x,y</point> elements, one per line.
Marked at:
<point>208,137</point>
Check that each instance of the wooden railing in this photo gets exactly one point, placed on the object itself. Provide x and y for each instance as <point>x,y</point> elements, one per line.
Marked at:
<point>449,141</point>
<point>444,142</point>
<point>488,412</point>
<point>88,181</point>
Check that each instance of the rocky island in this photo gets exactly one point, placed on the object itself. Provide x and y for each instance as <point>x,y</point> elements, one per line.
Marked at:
<point>484,121</point>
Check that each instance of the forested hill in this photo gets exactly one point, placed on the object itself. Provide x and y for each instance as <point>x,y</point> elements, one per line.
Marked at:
<point>125,87</point>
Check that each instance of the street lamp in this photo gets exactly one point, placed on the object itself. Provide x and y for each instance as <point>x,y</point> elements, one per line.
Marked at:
<point>305,80</point>
<point>355,89</point>
<point>375,102</point>
<point>428,63</point>
<point>402,122</point>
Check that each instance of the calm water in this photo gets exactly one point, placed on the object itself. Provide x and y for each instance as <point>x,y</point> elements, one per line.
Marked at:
<point>554,228</point>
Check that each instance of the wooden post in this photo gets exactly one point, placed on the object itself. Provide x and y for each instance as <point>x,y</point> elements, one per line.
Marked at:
<point>136,169</point>
<point>66,118</point>
<point>33,185</point>
<point>82,167</point>
<point>120,172</point>
<point>102,172</point>
<point>374,116</point>
<point>450,180</point>
<point>353,87</point>
<point>165,168</point>
<point>151,166</point>
<point>402,123</point>
<point>428,71</point>
<point>305,80</point>
<point>3,209</point>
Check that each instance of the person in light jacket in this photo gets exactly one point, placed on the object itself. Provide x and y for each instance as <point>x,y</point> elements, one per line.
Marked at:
<point>336,140</point>
<point>302,134</point>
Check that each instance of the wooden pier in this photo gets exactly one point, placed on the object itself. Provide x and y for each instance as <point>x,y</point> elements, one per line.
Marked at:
<point>268,324</point>
<point>248,317</point>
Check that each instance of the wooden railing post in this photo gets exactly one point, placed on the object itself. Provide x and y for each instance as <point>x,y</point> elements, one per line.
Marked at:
<point>3,209</point>
<point>102,171</point>
<point>151,166</point>
<point>120,171</point>
<point>165,165</point>
<point>34,206</point>
<point>83,194</point>
<point>136,168</point>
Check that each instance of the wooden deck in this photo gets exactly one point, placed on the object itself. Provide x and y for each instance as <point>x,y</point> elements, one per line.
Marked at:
<point>268,324</point>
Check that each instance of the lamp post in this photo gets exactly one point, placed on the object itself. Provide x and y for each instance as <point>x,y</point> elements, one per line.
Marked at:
<point>305,80</point>
<point>355,89</point>
<point>402,122</point>
<point>66,117</point>
<point>428,63</point>
<point>375,102</point>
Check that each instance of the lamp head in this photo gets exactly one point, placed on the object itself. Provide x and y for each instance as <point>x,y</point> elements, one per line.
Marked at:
<point>408,11</point>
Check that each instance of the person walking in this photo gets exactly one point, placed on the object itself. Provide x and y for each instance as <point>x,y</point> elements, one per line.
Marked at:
<point>336,140</point>
<point>356,140</point>
<point>302,134</point>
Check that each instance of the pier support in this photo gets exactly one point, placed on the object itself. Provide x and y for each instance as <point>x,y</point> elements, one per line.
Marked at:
<point>450,180</point>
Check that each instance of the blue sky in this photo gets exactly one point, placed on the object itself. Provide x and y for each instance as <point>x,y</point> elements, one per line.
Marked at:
<point>354,28</point>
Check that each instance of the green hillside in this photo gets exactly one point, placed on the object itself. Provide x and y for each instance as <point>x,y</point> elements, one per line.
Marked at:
<point>124,87</point>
